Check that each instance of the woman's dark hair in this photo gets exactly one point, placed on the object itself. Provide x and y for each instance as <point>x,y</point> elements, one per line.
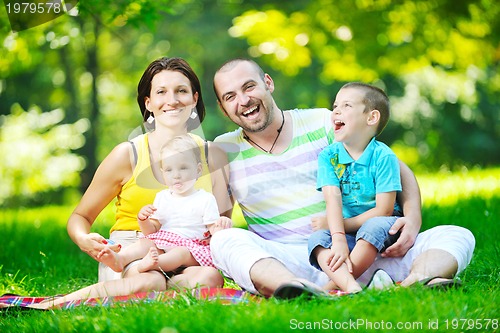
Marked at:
<point>176,65</point>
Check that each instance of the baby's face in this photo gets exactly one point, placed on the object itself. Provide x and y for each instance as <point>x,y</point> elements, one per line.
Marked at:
<point>180,171</point>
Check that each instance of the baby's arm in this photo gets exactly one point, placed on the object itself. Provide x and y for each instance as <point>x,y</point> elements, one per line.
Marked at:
<point>222,223</point>
<point>147,224</point>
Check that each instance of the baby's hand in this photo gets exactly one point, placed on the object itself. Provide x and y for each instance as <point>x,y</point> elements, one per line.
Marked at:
<point>146,212</point>
<point>222,223</point>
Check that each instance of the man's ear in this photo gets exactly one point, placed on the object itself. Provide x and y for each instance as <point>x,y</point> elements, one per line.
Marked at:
<point>269,82</point>
<point>373,117</point>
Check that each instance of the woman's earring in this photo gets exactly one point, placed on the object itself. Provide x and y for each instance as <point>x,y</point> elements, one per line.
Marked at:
<point>150,118</point>
<point>193,114</point>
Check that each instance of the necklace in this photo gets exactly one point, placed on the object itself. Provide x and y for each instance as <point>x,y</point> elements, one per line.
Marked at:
<point>275,140</point>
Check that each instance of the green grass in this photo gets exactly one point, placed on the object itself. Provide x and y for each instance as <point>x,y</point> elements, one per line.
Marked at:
<point>38,258</point>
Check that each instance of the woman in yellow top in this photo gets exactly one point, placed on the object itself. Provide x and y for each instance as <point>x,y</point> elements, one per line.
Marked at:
<point>169,95</point>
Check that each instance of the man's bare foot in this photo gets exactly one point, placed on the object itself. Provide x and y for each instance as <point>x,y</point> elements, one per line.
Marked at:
<point>149,262</point>
<point>110,258</point>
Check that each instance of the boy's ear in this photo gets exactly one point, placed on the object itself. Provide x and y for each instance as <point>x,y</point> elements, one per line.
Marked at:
<point>373,117</point>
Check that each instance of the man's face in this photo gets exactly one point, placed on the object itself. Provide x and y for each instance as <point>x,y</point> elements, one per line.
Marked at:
<point>245,97</point>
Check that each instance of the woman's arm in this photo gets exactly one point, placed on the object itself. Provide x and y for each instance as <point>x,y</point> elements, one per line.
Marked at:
<point>410,201</point>
<point>219,172</point>
<point>112,173</point>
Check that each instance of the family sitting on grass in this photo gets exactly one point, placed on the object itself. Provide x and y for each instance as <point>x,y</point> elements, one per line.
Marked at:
<point>174,199</point>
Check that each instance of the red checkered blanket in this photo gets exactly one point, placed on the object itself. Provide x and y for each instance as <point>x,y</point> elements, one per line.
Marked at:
<point>224,295</point>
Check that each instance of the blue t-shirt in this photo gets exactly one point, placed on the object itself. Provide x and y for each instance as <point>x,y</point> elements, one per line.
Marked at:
<point>376,171</point>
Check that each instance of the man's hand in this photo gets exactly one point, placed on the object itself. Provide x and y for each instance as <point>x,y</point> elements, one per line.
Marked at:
<point>409,232</point>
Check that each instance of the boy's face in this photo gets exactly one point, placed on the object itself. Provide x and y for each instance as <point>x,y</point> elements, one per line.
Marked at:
<point>180,171</point>
<point>348,116</point>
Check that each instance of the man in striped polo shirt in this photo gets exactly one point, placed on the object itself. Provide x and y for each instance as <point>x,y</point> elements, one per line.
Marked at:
<point>273,164</point>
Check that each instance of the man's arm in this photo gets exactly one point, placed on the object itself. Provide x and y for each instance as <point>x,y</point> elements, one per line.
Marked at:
<point>410,201</point>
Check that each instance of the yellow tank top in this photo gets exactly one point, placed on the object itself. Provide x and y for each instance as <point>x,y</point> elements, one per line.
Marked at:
<point>141,188</point>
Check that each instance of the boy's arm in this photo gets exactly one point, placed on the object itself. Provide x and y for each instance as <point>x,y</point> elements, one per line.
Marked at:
<point>384,206</point>
<point>409,225</point>
<point>339,252</point>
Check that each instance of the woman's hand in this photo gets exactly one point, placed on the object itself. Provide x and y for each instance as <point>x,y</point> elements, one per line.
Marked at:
<point>92,244</point>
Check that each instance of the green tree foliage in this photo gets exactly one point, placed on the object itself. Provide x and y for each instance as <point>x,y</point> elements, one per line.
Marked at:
<point>37,157</point>
<point>438,60</point>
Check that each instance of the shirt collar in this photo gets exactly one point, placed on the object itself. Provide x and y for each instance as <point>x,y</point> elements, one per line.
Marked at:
<point>364,159</point>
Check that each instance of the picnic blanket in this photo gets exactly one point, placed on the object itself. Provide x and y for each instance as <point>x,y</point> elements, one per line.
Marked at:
<point>223,295</point>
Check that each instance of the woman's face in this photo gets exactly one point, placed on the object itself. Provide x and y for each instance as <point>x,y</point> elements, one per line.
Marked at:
<point>171,99</point>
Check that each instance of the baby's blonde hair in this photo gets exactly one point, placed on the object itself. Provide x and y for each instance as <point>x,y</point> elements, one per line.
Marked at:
<point>180,144</point>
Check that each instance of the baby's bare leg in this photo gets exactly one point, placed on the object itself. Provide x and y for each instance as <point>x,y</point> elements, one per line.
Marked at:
<point>175,258</point>
<point>117,261</point>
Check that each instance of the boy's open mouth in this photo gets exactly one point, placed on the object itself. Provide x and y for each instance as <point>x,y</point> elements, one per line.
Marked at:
<point>338,125</point>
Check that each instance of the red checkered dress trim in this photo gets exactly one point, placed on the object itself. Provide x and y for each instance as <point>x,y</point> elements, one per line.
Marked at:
<point>165,239</point>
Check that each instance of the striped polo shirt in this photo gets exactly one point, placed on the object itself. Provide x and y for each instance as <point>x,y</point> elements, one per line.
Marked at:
<point>277,192</point>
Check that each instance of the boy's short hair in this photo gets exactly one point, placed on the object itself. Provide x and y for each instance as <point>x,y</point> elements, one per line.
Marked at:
<point>374,99</point>
<point>181,144</point>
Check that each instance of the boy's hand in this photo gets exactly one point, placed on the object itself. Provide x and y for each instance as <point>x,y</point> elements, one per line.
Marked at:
<point>339,253</point>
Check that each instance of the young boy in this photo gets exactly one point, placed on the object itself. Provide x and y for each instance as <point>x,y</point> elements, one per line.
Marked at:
<point>359,178</point>
<point>176,226</point>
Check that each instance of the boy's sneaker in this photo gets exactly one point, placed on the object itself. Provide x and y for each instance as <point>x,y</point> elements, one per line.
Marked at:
<point>380,280</point>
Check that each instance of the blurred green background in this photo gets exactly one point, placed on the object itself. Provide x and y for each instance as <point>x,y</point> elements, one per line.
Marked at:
<point>68,87</point>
